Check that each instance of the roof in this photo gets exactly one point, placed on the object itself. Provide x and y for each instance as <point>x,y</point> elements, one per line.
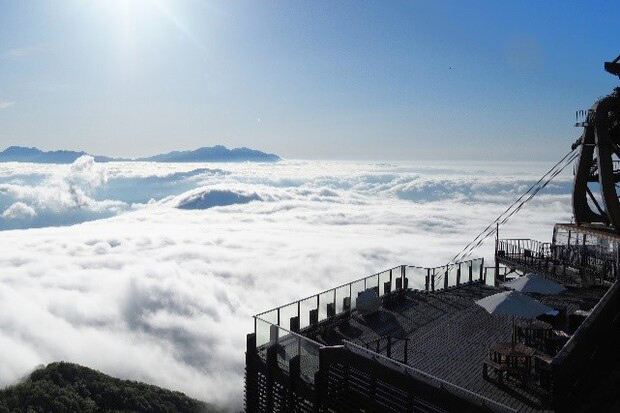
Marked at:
<point>597,230</point>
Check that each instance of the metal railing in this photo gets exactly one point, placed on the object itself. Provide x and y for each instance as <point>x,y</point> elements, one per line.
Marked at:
<point>334,302</point>
<point>489,272</point>
<point>428,378</point>
<point>524,246</point>
<point>559,261</point>
<point>286,345</point>
<point>384,345</point>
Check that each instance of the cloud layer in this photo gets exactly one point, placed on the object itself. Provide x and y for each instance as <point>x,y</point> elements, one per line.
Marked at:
<point>163,289</point>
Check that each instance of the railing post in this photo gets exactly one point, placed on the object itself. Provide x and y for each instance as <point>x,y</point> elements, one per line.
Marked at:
<point>428,279</point>
<point>445,278</point>
<point>433,280</point>
<point>405,279</point>
<point>617,266</point>
<point>458,275</point>
<point>350,296</point>
<point>274,334</point>
<point>496,281</point>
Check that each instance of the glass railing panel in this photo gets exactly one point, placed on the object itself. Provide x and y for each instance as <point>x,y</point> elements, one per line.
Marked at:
<point>397,273</point>
<point>440,275</point>
<point>270,316</point>
<point>308,360</point>
<point>476,268</point>
<point>342,293</point>
<point>286,313</point>
<point>466,267</point>
<point>324,299</point>
<point>262,331</point>
<point>371,282</point>
<point>305,306</point>
<point>384,278</point>
<point>288,347</point>
<point>452,274</point>
<point>356,288</point>
<point>416,278</point>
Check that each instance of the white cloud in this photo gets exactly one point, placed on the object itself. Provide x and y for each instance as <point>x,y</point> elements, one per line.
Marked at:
<point>19,210</point>
<point>61,194</point>
<point>6,104</point>
<point>166,295</point>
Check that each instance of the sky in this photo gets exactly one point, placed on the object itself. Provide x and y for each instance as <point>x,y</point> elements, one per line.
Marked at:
<point>404,80</point>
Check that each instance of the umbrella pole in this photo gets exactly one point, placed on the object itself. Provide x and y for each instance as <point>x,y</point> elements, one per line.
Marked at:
<point>496,283</point>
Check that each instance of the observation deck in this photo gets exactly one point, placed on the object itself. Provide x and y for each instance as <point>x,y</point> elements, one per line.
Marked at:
<point>424,349</point>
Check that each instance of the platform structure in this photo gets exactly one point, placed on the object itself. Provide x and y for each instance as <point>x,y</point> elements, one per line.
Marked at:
<point>413,339</point>
<point>584,254</point>
<point>426,349</point>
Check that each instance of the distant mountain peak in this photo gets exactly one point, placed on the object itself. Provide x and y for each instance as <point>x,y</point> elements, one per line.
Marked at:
<point>217,153</point>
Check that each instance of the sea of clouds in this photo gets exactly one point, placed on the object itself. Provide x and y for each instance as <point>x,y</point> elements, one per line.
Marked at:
<point>153,271</point>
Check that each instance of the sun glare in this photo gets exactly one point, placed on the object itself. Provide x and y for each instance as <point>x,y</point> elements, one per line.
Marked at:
<point>134,18</point>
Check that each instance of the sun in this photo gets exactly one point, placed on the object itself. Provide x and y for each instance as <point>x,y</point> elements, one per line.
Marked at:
<point>133,18</point>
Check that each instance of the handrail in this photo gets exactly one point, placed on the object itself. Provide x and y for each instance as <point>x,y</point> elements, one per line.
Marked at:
<point>333,288</point>
<point>402,268</point>
<point>541,255</point>
<point>316,343</point>
<point>390,341</point>
<point>436,381</point>
<point>299,339</point>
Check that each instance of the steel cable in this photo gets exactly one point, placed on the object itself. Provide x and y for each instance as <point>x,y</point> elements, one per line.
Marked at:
<point>513,208</point>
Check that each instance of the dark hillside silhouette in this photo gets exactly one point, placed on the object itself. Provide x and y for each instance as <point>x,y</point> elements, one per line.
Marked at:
<point>66,387</point>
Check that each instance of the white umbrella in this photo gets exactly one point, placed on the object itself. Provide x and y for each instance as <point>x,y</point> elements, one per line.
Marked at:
<point>513,303</point>
<point>534,283</point>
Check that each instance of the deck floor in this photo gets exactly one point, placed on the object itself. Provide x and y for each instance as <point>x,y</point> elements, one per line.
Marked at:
<point>449,335</point>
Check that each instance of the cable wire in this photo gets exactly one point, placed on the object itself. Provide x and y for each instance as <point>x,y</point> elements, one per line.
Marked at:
<point>514,208</point>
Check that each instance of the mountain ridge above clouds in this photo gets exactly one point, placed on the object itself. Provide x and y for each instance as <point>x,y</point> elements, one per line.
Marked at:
<point>216,153</point>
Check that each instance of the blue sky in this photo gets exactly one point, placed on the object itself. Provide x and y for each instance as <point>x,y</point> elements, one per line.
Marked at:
<point>321,79</point>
